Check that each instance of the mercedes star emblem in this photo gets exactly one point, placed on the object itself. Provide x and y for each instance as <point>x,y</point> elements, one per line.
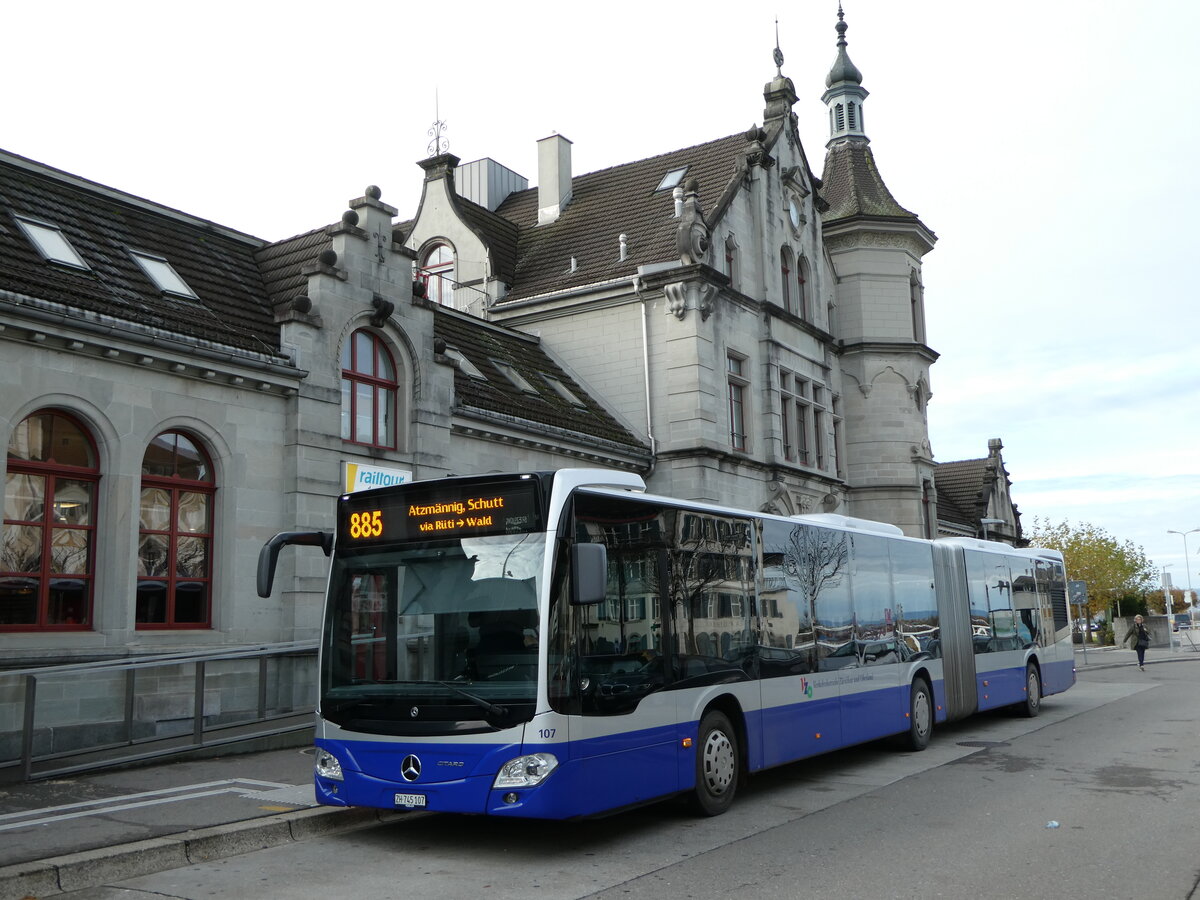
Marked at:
<point>410,768</point>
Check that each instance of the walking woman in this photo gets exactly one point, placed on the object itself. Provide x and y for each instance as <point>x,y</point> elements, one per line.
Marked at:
<point>1141,640</point>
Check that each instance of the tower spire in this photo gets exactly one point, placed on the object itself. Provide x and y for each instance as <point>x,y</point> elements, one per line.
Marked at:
<point>844,94</point>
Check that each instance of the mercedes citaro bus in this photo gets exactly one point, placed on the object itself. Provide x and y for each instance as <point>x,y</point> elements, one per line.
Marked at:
<point>563,644</point>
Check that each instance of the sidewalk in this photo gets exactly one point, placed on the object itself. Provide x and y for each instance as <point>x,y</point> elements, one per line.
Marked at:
<point>68,834</point>
<point>1094,656</point>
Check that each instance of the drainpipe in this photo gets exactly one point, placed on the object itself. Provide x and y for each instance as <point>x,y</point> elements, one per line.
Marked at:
<point>637,290</point>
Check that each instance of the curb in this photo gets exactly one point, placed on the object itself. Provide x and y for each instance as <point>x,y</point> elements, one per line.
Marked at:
<point>89,868</point>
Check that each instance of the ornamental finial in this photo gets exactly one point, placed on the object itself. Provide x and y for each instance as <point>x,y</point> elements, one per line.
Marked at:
<point>440,143</point>
<point>778,54</point>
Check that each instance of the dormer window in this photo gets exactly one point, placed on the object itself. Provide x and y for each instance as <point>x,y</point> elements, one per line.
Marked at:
<point>672,179</point>
<point>163,274</point>
<point>437,272</point>
<point>51,243</point>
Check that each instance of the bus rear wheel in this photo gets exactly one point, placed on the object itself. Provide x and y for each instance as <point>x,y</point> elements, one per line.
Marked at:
<point>1032,705</point>
<point>717,765</point>
<point>920,717</point>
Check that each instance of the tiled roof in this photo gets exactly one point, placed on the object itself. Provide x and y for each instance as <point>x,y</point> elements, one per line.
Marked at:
<point>103,225</point>
<point>852,185</point>
<point>605,205</point>
<point>281,263</point>
<point>481,343</point>
<point>497,232</point>
<point>963,489</point>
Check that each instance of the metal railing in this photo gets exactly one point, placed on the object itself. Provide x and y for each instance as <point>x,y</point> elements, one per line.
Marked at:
<point>85,716</point>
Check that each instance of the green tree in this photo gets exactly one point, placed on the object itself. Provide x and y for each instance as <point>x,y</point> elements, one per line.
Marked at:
<point>1113,569</point>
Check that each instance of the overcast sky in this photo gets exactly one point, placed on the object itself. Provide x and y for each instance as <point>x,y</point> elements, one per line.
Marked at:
<point>1048,144</point>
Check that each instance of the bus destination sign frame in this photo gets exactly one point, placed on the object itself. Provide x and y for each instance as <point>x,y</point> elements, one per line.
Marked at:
<point>430,512</point>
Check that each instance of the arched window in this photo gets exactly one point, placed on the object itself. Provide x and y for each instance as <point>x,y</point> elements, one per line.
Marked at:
<point>785,271</point>
<point>48,551</point>
<point>437,271</point>
<point>369,392</point>
<point>731,260</point>
<point>802,288</point>
<point>175,535</point>
<point>916,304</point>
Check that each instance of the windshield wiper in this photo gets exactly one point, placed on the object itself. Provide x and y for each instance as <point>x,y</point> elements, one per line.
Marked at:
<point>485,705</point>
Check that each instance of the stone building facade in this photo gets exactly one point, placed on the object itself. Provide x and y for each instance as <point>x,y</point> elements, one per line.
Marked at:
<point>719,319</point>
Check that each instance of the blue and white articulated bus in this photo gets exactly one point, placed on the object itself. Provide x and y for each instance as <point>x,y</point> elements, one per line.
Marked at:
<point>563,644</point>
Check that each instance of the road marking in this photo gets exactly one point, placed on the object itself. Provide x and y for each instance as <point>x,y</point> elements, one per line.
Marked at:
<point>246,787</point>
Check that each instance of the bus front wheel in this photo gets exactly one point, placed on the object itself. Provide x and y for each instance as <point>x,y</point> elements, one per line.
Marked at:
<point>717,765</point>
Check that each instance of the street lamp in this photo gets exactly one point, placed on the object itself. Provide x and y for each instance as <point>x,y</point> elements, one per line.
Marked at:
<point>1186,567</point>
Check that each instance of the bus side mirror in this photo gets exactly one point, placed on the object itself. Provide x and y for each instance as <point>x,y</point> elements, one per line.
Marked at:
<point>589,563</point>
<point>268,556</point>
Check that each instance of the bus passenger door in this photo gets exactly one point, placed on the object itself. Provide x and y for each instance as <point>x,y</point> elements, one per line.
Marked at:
<point>806,639</point>
<point>623,742</point>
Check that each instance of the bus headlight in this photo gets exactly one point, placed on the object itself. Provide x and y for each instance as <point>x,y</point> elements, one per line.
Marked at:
<point>327,765</point>
<point>526,771</point>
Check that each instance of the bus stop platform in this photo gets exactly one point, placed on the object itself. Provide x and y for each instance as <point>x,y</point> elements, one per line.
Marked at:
<point>67,834</point>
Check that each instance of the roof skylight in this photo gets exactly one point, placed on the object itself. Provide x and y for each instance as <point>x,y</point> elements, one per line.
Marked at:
<point>563,391</point>
<point>515,377</point>
<point>163,274</point>
<point>465,365</point>
<point>51,243</point>
<point>671,179</point>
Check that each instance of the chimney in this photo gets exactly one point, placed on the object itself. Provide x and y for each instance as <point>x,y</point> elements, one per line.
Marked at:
<point>554,177</point>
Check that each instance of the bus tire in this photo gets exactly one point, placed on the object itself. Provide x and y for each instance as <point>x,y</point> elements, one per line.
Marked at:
<point>718,765</point>
<point>1032,704</point>
<point>920,717</point>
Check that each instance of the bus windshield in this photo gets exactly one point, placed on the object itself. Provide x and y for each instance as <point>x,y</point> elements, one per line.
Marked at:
<point>433,637</point>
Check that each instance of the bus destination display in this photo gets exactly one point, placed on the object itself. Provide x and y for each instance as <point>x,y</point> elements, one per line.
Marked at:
<point>470,513</point>
<point>425,512</point>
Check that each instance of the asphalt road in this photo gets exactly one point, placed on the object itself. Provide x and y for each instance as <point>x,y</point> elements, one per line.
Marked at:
<point>1096,798</point>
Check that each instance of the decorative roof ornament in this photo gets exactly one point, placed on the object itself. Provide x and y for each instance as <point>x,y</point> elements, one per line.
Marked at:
<point>779,92</point>
<point>440,143</point>
<point>778,54</point>
<point>843,69</point>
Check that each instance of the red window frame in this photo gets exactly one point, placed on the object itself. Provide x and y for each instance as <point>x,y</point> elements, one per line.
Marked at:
<point>169,577</point>
<point>438,276</point>
<point>801,295</point>
<point>785,269</point>
<point>369,375</point>
<point>68,545</point>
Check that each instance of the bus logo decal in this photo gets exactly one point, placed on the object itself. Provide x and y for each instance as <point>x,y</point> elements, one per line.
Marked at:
<point>806,688</point>
<point>410,768</point>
